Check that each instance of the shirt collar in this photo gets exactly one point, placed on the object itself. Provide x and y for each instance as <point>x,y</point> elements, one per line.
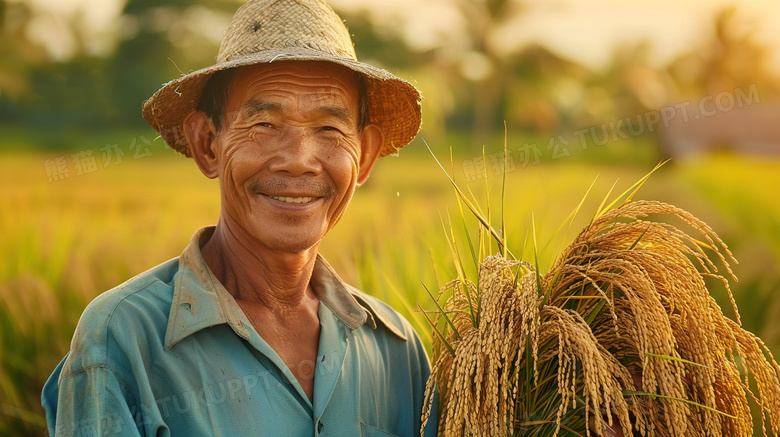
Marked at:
<point>201,301</point>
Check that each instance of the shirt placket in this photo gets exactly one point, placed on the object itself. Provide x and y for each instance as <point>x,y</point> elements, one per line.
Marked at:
<point>330,361</point>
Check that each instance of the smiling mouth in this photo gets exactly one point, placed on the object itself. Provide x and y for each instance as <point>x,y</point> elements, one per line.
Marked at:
<point>293,199</point>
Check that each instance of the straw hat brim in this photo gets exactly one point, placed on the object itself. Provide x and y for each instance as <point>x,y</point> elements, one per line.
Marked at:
<point>394,104</point>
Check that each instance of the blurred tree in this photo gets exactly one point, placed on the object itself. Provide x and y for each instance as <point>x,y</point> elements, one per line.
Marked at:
<point>88,92</point>
<point>155,39</point>
<point>39,94</point>
<point>485,65</point>
<point>629,86</point>
<point>497,80</point>
<point>544,91</point>
<point>467,64</point>
<point>17,53</point>
<point>731,59</point>
<point>472,72</point>
<point>386,48</point>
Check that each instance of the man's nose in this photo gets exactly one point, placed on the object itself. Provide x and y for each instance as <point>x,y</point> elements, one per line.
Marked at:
<point>297,154</point>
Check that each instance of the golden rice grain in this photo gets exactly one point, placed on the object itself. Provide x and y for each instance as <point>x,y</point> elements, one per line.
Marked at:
<point>624,309</point>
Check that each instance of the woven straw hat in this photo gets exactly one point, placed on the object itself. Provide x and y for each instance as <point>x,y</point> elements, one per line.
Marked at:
<point>264,31</point>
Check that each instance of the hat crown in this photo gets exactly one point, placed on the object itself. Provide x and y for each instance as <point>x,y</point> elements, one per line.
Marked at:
<point>261,25</point>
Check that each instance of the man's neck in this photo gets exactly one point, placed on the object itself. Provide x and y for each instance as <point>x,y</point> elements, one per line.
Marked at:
<point>254,273</point>
<point>272,288</point>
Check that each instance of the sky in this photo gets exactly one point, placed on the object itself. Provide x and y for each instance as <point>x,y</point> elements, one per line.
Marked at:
<point>49,28</point>
<point>583,30</point>
<point>588,30</point>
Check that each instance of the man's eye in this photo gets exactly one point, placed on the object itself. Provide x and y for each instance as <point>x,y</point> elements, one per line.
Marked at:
<point>264,124</point>
<point>329,129</point>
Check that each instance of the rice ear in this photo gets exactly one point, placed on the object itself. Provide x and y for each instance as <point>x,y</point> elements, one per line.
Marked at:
<point>622,328</point>
<point>661,315</point>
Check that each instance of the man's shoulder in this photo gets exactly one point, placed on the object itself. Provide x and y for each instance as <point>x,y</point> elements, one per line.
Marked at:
<point>137,307</point>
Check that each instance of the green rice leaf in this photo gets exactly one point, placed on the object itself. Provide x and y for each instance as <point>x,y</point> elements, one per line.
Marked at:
<point>682,360</point>
<point>630,192</point>
<point>536,264</point>
<point>472,206</point>
<point>441,311</point>
<point>548,422</point>
<point>572,215</point>
<point>601,209</point>
<point>686,401</point>
<point>487,202</point>
<point>642,181</point>
<point>503,196</point>
<point>596,311</point>
<point>437,331</point>
<point>458,264</point>
<point>474,256</point>
<point>640,237</point>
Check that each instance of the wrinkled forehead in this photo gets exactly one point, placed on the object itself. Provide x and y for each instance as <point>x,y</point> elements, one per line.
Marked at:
<point>295,85</point>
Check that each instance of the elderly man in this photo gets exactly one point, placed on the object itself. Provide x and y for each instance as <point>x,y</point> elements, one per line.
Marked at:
<point>250,331</point>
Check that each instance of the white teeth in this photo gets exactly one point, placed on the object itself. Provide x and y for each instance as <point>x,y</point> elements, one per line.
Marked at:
<point>293,199</point>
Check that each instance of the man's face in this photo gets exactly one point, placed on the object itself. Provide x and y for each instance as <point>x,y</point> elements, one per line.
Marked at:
<point>289,152</point>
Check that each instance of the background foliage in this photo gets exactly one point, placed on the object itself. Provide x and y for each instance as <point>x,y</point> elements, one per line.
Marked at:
<point>65,239</point>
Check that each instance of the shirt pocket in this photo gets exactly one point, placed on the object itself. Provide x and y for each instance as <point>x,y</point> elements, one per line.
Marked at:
<point>370,431</point>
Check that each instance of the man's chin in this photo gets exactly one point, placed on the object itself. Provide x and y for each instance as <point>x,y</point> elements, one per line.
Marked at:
<point>291,246</point>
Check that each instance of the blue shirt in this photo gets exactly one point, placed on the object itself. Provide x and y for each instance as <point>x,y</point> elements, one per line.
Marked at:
<point>170,352</point>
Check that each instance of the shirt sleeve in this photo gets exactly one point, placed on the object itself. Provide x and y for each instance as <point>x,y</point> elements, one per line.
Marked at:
<point>90,402</point>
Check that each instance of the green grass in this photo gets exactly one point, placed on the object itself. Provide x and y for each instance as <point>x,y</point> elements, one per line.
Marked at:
<point>67,241</point>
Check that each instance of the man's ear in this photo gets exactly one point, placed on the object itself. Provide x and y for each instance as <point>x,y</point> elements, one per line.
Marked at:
<point>371,140</point>
<point>202,137</point>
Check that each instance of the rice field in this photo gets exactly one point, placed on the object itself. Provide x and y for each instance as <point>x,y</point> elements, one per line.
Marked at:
<point>63,242</point>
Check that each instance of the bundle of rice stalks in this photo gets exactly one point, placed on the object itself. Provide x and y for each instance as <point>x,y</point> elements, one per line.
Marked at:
<point>621,335</point>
